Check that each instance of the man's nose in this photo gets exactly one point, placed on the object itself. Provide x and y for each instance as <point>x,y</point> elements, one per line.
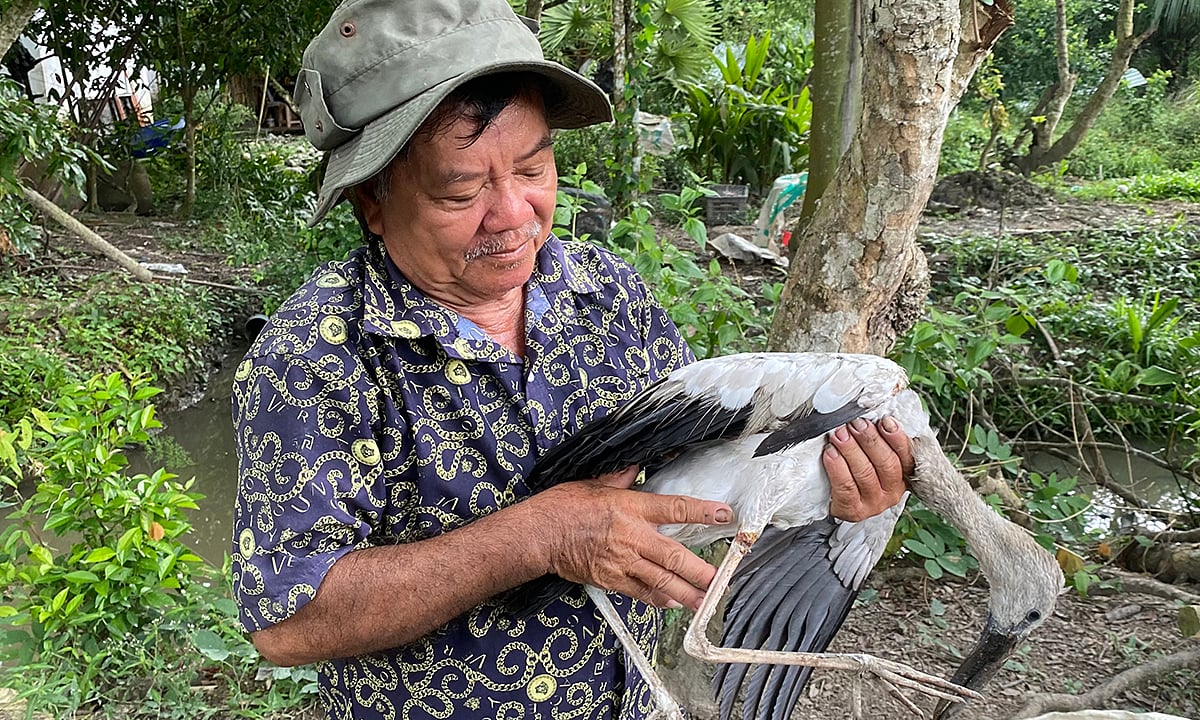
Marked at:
<point>510,209</point>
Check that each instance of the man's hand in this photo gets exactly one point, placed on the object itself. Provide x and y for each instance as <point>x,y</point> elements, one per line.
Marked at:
<point>867,466</point>
<point>601,533</point>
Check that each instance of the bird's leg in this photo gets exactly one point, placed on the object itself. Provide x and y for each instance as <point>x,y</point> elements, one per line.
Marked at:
<point>664,703</point>
<point>697,644</point>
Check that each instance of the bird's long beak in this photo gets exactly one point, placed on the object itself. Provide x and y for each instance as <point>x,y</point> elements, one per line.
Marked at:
<point>990,652</point>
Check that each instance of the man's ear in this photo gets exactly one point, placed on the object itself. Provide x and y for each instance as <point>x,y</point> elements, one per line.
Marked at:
<point>367,207</point>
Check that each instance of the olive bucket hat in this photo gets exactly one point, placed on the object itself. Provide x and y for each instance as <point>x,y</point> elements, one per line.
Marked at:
<point>379,68</point>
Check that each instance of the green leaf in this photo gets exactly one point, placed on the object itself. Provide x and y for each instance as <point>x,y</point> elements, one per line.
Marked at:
<point>59,600</point>
<point>919,548</point>
<point>696,231</point>
<point>211,645</point>
<point>934,570</point>
<point>82,576</point>
<point>1156,376</point>
<point>100,555</point>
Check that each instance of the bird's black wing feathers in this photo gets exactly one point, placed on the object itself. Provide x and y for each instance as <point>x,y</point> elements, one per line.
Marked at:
<point>648,436</point>
<point>785,596</point>
<point>808,426</point>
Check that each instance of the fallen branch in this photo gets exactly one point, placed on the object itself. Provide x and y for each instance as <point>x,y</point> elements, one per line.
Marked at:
<point>1102,693</point>
<point>209,283</point>
<point>1133,582</point>
<point>62,217</point>
<point>284,95</point>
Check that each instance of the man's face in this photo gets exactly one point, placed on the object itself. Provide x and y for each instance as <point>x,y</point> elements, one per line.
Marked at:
<point>464,224</point>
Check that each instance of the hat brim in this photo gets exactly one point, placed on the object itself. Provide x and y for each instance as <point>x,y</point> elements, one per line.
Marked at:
<point>580,103</point>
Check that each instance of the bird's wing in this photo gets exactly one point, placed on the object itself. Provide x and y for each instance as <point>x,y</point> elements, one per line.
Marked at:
<point>792,396</point>
<point>792,594</point>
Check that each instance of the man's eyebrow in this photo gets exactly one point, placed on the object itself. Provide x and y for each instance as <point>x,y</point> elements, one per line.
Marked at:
<point>450,177</point>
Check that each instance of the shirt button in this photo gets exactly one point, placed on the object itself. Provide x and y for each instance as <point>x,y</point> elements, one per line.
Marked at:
<point>542,688</point>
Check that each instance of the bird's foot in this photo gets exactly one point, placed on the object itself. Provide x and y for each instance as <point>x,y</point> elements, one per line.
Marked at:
<point>894,676</point>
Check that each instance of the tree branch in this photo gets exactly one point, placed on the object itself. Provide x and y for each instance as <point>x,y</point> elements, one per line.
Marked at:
<point>1099,695</point>
<point>1136,583</point>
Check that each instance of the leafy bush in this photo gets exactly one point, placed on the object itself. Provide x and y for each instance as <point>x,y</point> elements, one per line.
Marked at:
<point>32,135</point>
<point>108,323</point>
<point>1142,131</point>
<point>107,609</point>
<point>742,128</point>
<point>254,198</point>
<point>715,316</point>
<point>115,568</point>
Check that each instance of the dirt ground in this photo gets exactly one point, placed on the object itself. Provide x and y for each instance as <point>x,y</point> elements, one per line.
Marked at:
<point>1086,642</point>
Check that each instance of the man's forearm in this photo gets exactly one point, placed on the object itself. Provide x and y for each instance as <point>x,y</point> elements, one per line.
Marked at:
<point>387,596</point>
<point>597,532</point>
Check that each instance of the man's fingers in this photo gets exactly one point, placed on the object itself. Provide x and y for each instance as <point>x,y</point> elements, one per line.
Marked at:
<point>845,499</point>
<point>884,471</point>
<point>894,435</point>
<point>679,509</point>
<point>678,560</point>
<point>862,471</point>
<point>666,584</point>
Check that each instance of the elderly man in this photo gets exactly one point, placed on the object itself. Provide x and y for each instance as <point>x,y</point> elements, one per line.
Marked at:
<point>389,411</point>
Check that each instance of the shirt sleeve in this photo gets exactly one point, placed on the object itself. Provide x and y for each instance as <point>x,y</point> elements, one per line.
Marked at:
<point>309,480</point>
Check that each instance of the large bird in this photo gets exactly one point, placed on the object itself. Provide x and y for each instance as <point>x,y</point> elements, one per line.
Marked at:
<point>748,430</point>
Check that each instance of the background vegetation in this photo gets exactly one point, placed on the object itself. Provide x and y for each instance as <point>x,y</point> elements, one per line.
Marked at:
<point>1029,342</point>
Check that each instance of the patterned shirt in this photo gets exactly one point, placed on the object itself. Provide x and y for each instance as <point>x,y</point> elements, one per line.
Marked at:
<point>367,415</point>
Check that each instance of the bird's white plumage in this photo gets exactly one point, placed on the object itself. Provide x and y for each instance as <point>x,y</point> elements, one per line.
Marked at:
<point>747,430</point>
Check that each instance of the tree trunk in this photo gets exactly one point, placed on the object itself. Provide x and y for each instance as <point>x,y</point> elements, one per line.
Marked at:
<point>858,279</point>
<point>1045,156</point>
<point>189,135</point>
<point>14,20</point>
<point>836,87</point>
<point>619,17</point>
<point>533,9</point>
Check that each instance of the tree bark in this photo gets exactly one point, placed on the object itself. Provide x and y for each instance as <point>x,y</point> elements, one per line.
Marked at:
<point>836,87</point>
<point>858,279</point>
<point>533,9</point>
<point>14,20</point>
<point>1044,156</point>
<point>1169,562</point>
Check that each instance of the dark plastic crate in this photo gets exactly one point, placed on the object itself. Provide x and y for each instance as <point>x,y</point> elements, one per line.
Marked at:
<point>728,204</point>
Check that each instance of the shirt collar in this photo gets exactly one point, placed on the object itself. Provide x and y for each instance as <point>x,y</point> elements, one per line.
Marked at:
<point>394,307</point>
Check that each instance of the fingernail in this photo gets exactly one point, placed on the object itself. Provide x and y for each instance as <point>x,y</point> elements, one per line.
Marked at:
<point>674,605</point>
<point>889,425</point>
<point>859,424</point>
<point>841,434</point>
<point>831,452</point>
<point>723,515</point>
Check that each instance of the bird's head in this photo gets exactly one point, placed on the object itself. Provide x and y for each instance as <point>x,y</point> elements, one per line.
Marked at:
<point>1025,585</point>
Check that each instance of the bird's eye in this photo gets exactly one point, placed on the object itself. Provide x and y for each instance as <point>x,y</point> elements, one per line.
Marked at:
<point>1033,616</point>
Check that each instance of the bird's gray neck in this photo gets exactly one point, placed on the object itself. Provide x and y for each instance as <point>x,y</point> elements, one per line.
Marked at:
<point>941,487</point>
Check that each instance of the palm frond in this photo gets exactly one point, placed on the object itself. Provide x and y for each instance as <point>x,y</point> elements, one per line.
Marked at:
<point>695,16</point>
<point>572,23</point>
<point>1172,13</point>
